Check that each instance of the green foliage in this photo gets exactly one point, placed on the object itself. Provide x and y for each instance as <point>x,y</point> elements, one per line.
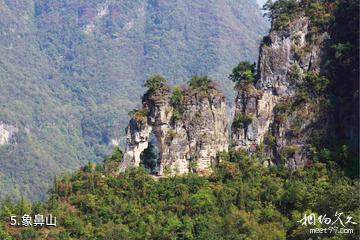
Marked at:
<point>343,70</point>
<point>150,158</point>
<point>319,14</point>
<point>23,206</point>
<point>281,12</point>
<point>240,199</point>
<point>296,126</point>
<point>155,82</point>
<point>71,71</point>
<point>177,115</point>
<point>282,110</point>
<point>301,95</point>
<point>241,120</point>
<point>270,139</point>
<point>139,115</point>
<point>111,164</point>
<point>243,72</point>
<point>176,101</point>
<point>342,50</point>
<point>193,164</point>
<point>289,150</point>
<point>202,201</point>
<point>4,235</point>
<point>201,83</point>
<point>316,83</point>
<point>116,154</point>
<point>223,156</point>
<point>177,98</point>
<point>295,72</point>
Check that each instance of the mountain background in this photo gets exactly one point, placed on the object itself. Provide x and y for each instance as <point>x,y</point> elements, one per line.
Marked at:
<point>70,71</point>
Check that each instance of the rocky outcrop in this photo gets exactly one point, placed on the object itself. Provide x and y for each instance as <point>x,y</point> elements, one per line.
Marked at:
<point>273,123</point>
<point>7,133</point>
<point>188,139</point>
<point>277,116</point>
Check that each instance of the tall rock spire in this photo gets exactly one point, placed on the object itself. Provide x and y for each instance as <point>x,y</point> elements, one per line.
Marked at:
<point>188,140</point>
<point>277,116</point>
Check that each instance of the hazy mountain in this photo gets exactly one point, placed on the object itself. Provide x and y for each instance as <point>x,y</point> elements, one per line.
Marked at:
<point>71,70</point>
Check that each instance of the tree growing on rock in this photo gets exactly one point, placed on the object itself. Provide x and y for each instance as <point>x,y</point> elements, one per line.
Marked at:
<point>155,82</point>
<point>201,83</point>
<point>243,72</point>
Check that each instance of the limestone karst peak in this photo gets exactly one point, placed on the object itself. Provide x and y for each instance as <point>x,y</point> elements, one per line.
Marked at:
<point>189,125</point>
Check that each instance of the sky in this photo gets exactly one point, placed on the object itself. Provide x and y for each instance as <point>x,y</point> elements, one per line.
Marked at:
<point>261,2</point>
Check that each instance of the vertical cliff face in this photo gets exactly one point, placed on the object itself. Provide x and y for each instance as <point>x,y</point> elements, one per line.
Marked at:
<point>279,121</point>
<point>187,142</point>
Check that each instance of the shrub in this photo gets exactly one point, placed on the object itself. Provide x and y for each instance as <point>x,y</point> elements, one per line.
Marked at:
<point>281,12</point>
<point>243,72</point>
<point>167,170</point>
<point>282,107</point>
<point>176,101</point>
<point>241,120</point>
<point>176,115</point>
<point>201,83</point>
<point>299,52</point>
<point>270,139</point>
<point>289,151</point>
<point>341,49</point>
<point>155,82</point>
<point>116,154</point>
<point>319,17</point>
<point>316,83</point>
<point>139,115</point>
<point>193,164</point>
<point>150,158</point>
<point>110,167</point>
<point>295,72</point>
<point>177,98</point>
<point>301,96</point>
<point>223,156</point>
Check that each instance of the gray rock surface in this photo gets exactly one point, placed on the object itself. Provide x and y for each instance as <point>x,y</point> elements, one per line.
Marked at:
<point>7,133</point>
<point>285,56</point>
<point>188,144</point>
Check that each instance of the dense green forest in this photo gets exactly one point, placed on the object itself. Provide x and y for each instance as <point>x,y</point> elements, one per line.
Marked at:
<point>71,70</point>
<point>241,199</point>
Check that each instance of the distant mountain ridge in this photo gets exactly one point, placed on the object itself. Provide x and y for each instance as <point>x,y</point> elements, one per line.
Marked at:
<point>71,70</point>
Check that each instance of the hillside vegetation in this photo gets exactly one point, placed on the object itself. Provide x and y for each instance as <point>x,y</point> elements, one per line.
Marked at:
<point>71,70</point>
<point>241,199</point>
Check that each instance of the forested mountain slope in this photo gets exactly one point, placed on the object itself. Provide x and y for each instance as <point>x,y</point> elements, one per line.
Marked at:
<point>241,198</point>
<point>71,70</point>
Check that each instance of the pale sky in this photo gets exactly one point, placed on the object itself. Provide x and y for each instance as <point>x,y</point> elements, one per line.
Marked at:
<point>261,2</point>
